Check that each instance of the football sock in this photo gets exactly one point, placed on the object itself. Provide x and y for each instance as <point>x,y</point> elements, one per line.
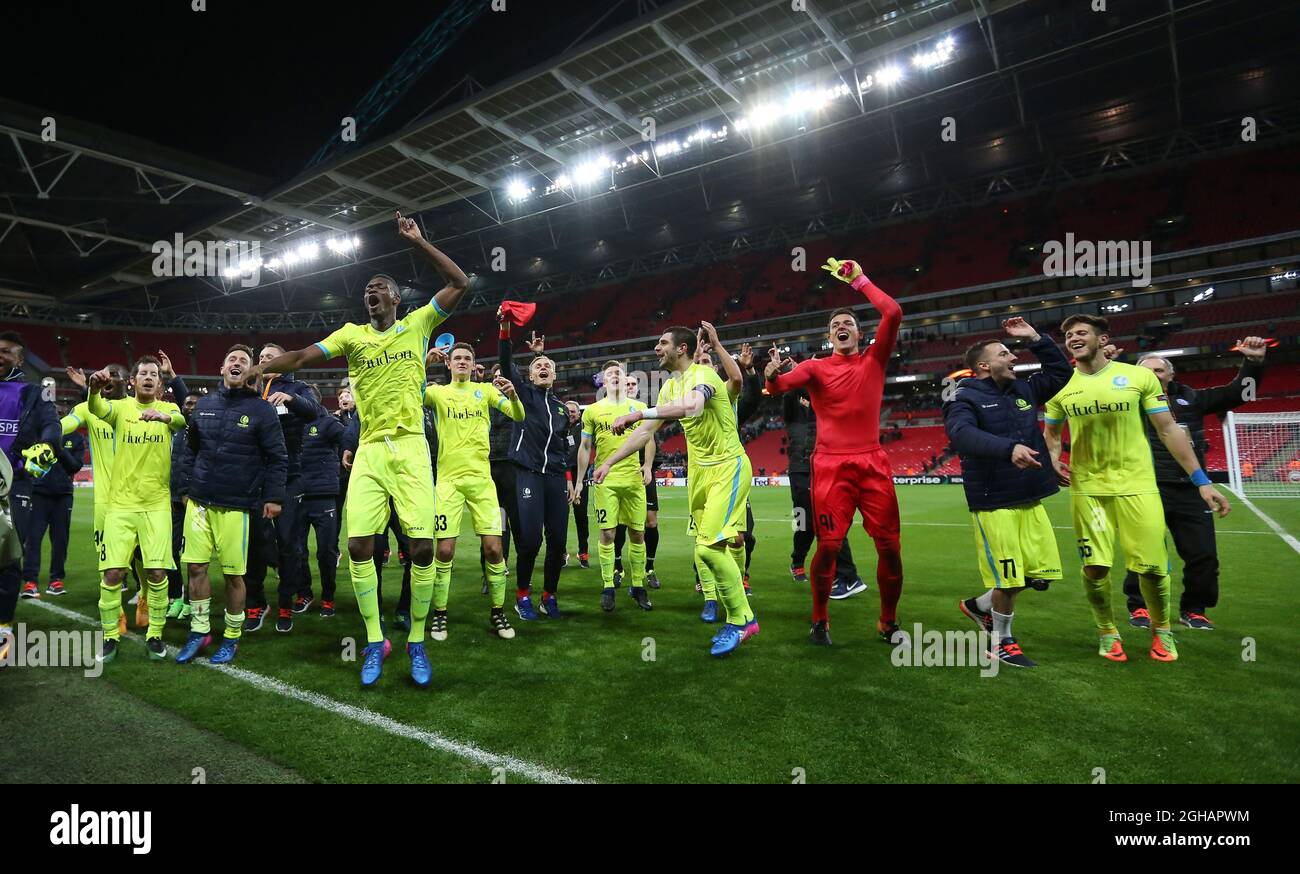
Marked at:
<point>497,583</point>
<point>110,605</point>
<point>234,625</point>
<point>636,563</point>
<point>200,621</point>
<point>605,552</point>
<point>1155,592</point>
<point>1098,592</point>
<point>422,585</point>
<point>365,583</point>
<point>651,546</point>
<point>985,602</point>
<point>708,584</point>
<point>157,594</point>
<point>737,554</point>
<point>1002,626</point>
<point>442,583</point>
<point>726,574</point>
<point>821,579</point>
<point>889,576</point>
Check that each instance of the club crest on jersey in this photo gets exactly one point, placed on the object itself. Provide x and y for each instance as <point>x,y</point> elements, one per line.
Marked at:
<point>1120,381</point>
<point>1022,404</point>
<point>313,432</point>
<point>528,493</point>
<point>243,421</point>
<point>478,395</point>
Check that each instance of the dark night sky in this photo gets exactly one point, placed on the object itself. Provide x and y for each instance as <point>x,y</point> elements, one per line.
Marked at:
<point>256,85</point>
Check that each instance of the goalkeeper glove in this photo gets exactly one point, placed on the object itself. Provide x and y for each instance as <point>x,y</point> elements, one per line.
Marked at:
<point>38,459</point>
<point>844,271</point>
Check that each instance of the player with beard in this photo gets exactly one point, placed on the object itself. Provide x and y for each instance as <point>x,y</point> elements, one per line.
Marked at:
<point>719,475</point>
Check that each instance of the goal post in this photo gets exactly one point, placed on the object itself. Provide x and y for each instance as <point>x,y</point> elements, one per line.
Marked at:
<point>1263,451</point>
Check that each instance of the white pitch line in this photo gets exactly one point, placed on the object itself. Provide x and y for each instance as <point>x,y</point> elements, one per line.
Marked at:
<point>1277,529</point>
<point>433,740</point>
<point>907,522</point>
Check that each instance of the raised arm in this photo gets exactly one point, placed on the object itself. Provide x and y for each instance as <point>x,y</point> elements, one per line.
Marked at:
<point>891,314</point>
<point>735,378</point>
<point>1222,398</point>
<point>289,362</point>
<point>778,382</point>
<point>506,354</point>
<point>449,297</point>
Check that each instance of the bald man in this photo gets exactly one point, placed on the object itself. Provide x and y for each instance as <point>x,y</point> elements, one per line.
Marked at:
<point>1190,523</point>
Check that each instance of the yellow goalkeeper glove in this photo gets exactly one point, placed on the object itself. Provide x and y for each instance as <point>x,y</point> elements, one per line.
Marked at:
<point>844,271</point>
<point>38,459</point>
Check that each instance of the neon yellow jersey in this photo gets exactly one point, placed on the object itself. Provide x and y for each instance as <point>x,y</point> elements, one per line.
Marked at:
<point>142,463</point>
<point>101,446</point>
<point>461,415</point>
<point>386,371</point>
<point>596,420</point>
<point>711,437</point>
<point>1109,452</point>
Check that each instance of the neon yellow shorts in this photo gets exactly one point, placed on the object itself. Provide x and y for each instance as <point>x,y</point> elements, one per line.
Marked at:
<point>1015,544</point>
<point>218,530</point>
<point>1139,521</point>
<point>397,469</point>
<point>124,530</point>
<point>716,497</point>
<point>480,493</point>
<point>620,504</point>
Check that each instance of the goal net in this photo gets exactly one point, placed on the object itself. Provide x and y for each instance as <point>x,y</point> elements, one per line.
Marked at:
<point>1263,452</point>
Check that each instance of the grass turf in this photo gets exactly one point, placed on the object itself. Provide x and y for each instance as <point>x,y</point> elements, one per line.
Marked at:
<point>581,696</point>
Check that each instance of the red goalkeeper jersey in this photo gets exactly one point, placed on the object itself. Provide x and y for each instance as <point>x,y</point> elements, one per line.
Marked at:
<point>846,389</point>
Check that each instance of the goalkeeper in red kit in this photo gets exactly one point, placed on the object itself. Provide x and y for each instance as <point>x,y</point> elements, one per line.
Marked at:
<point>850,471</point>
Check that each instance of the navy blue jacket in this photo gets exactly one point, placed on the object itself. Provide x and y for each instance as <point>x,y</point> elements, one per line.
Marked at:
<point>321,442</point>
<point>38,422</point>
<point>182,466</point>
<point>300,411</point>
<point>71,454</point>
<point>985,422</point>
<point>239,456</point>
<point>539,443</point>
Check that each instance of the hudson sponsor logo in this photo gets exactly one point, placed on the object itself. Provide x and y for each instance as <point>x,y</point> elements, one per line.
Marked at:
<point>1092,409</point>
<point>77,827</point>
<point>389,358</point>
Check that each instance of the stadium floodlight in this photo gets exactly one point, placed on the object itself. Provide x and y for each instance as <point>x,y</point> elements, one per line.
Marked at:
<point>562,181</point>
<point>518,190</point>
<point>936,57</point>
<point>1114,307</point>
<point>1204,295</point>
<point>889,75</point>
<point>274,264</point>
<point>230,272</point>
<point>588,172</point>
<point>307,251</point>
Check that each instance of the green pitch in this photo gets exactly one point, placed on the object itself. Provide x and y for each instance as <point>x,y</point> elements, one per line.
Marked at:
<point>633,696</point>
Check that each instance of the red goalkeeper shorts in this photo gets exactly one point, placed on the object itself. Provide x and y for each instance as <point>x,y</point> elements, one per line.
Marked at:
<point>843,484</point>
